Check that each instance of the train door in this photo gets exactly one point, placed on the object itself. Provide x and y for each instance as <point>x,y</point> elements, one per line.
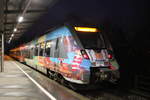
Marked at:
<point>47,49</point>
<point>41,57</point>
<point>36,54</point>
<point>57,52</point>
<point>47,54</point>
<point>56,55</point>
<point>31,60</point>
<point>61,54</point>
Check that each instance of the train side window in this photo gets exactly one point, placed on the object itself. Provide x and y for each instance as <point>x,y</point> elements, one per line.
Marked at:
<point>56,54</point>
<point>22,51</point>
<point>37,50</point>
<point>53,44</point>
<point>31,53</point>
<point>42,48</point>
<point>34,50</point>
<point>48,49</point>
<point>27,53</point>
<point>62,51</point>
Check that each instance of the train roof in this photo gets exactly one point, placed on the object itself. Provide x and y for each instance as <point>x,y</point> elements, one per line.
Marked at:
<point>65,29</point>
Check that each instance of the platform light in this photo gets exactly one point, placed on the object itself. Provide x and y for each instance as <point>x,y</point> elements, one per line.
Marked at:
<point>86,29</point>
<point>15,29</point>
<point>20,19</point>
<point>10,40</point>
<point>12,35</point>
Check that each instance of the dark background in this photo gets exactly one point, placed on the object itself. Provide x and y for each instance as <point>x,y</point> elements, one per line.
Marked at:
<point>126,22</point>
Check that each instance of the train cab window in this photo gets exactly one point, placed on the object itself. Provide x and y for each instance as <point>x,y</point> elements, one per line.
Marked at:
<point>42,48</point>
<point>92,40</point>
<point>47,49</point>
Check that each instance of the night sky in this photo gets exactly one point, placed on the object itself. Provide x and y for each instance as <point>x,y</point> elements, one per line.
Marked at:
<point>126,22</point>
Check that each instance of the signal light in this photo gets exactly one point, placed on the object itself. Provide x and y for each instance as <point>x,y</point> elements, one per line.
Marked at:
<point>110,56</point>
<point>112,67</point>
<point>84,54</point>
<point>12,35</point>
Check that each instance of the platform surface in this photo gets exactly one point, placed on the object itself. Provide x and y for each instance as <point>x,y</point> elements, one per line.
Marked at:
<point>15,85</point>
<point>18,82</point>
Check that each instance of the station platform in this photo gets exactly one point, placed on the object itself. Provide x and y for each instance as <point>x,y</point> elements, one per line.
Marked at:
<point>19,82</point>
<point>15,85</point>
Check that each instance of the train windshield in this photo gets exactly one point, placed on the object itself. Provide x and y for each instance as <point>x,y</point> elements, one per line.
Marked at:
<point>91,40</point>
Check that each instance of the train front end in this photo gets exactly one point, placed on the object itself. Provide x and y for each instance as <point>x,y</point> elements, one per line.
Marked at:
<point>98,61</point>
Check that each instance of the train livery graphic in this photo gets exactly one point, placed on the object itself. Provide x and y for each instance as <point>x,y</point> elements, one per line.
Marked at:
<point>77,54</point>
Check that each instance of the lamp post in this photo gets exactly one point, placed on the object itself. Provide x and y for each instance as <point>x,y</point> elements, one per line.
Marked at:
<point>2,2</point>
<point>2,54</point>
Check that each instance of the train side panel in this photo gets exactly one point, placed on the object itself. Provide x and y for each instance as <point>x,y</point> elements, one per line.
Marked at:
<point>61,51</point>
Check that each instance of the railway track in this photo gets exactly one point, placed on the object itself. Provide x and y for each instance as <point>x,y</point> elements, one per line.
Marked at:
<point>111,93</point>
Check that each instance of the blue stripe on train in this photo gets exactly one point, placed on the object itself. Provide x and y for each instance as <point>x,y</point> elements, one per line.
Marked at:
<point>63,31</point>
